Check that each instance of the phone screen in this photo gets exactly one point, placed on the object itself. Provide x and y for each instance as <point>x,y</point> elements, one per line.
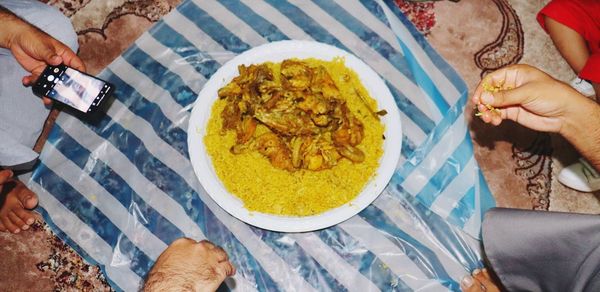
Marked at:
<point>75,89</point>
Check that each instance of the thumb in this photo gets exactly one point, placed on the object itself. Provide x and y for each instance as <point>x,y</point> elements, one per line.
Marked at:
<point>47,54</point>
<point>505,98</point>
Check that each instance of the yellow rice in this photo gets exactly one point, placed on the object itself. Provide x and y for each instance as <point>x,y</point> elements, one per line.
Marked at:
<point>266,189</point>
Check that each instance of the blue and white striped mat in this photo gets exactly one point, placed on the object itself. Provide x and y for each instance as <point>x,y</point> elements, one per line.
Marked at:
<point>121,190</point>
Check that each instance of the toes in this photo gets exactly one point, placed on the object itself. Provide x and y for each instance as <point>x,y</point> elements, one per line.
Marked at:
<point>25,215</point>
<point>5,175</point>
<point>16,220</point>
<point>9,225</point>
<point>27,198</point>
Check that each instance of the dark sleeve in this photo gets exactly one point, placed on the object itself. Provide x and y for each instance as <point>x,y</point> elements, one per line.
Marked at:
<point>543,251</point>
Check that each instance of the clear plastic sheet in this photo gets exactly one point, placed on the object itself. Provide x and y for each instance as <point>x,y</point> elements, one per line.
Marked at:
<point>121,188</point>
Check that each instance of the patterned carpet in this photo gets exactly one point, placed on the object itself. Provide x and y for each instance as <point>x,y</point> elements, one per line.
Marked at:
<point>519,165</point>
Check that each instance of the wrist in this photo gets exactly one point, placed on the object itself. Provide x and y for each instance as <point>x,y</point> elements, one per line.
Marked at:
<point>580,118</point>
<point>582,130</point>
<point>12,26</point>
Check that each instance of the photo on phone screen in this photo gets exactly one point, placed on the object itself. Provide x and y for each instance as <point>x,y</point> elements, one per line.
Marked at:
<point>73,88</point>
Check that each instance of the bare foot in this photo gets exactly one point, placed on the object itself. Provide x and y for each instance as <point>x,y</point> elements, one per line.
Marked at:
<point>15,200</point>
<point>479,281</point>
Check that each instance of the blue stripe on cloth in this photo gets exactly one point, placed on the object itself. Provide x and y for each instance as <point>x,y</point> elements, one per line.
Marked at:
<point>437,60</point>
<point>306,23</point>
<point>161,75</point>
<point>408,147</point>
<point>376,10</point>
<point>245,264</point>
<point>149,111</point>
<point>423,80</point>
<point>212,27</point>
<point>367,263</point>
<point>371,38</point>
<point>464,209</point>
<point>299,260</point>
<point>433,139</point>
<point>410,110</point>
<point>202,63</point>
<point>453,166</point>
<point>176,187</point>
<point>266,29</point>
<point>114,184</point>
<point>443,232</point>
<point>423,257</point>
<point>94,218</point>
<point>72,244</point>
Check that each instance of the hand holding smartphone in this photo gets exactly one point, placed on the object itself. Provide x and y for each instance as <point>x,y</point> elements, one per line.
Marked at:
<point>73,88</point>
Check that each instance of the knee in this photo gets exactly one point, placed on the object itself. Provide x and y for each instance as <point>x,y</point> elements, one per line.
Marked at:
<point>50,20</point>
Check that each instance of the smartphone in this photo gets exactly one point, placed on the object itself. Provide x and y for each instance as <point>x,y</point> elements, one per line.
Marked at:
<point>73,88</point>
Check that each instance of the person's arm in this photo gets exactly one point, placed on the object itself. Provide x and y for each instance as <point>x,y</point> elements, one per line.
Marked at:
<point>535,100</point>
<point>582,129</point>
<point>10,25</point>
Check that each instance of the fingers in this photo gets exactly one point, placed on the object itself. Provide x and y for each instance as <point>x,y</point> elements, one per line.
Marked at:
<point>508,78</point>
<point>47,52</point>
<point>220,254</point>
<point>479,281</point>
<point>74,61</point>
<point>469,284</point>
<point>69,57</point>
<point>46,100</point>
<point>485,280</point>
<point>510,97</point>
<point>227,269</point>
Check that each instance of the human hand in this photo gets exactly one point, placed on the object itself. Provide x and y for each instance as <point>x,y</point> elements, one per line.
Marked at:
<point>34,50</point>
<point>187,263</point>
<point>479,281</point>
<point>529,97</point>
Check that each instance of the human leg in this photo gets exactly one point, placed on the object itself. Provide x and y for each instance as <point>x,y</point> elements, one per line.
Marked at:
<point>22,114</point>
<point>574,27</point>
<point>570,44</point>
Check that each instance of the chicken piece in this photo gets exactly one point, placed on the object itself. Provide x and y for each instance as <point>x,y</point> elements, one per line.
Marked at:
<point>231,116</point>
<point>315,103</point>
<point>295,75</point>
<point>322,83</point>
<point>245,130</point>
<point>287,123</point>
<point>354,154</point>
<point>231,90</point>
<point>315,153</point>
<point>271,146</point>
<point>350,130</point>
<point>296,145</point>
